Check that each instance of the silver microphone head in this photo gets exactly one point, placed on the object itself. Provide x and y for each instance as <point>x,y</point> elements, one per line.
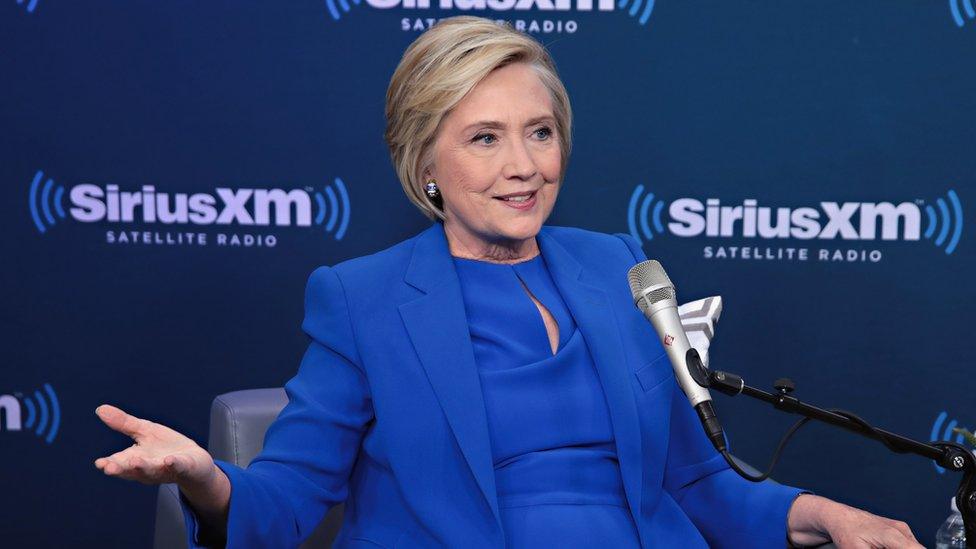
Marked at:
<point>649,284</point>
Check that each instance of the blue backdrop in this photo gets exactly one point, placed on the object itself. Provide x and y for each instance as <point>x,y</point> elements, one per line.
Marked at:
<point>811,162</point>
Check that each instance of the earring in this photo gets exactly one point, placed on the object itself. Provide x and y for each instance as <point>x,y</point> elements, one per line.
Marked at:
<point>432,191</point>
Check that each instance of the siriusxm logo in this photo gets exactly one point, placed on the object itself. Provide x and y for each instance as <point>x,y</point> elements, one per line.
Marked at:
<point>42,410</point>
<point>848,221</point>
<point>90,203</point>
<point>945,431</point>
<point>639,9</point>
<point>967,6</point>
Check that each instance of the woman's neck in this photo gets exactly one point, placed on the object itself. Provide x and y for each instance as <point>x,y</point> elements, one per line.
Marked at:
<point>497,251</point>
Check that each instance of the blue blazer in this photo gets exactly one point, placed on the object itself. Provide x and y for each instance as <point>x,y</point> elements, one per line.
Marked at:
<point>386,414</point>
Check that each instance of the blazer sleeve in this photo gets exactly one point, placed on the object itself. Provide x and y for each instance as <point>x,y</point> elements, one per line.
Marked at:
<point>727,509</point>
<point>304,466</point>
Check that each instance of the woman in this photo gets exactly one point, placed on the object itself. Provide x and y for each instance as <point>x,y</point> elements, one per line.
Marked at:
<point>484,383</point>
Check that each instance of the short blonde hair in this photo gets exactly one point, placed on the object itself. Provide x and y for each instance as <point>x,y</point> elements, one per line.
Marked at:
<point>438,69</point>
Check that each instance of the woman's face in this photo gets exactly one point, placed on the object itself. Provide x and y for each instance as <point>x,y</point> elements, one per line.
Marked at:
<point>496,160</point>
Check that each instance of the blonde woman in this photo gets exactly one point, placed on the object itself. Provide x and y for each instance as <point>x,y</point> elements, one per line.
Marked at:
<point>482,384</point>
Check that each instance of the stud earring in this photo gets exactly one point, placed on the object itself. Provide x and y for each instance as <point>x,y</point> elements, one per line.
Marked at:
<point>432,191</point>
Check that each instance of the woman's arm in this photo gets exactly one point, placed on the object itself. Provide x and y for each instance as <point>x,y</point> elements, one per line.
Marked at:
<point>310,449</point>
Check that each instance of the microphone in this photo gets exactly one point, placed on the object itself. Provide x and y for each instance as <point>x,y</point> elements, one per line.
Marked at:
<point>654,295</point>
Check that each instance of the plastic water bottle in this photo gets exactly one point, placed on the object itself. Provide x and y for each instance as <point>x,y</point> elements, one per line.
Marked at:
<point>951,534</point>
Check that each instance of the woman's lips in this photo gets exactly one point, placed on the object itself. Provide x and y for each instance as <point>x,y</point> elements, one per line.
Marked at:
<point>523,205</point>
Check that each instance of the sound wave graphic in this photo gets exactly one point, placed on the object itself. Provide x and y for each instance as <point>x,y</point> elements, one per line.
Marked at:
<point>338,208</point>
<point>31,4</point>
<point>641,217</point>
<point>938,433</point>
<point>343,5</point>
<point>41,201</point>
<point>967,6</point>
<point>945,222</point>
<point>635,8</point>
<point>43,412</point>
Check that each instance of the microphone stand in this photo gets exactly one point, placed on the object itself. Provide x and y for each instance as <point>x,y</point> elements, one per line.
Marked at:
<point>949,455</point>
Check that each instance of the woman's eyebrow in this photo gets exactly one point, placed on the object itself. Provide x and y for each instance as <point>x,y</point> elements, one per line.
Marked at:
<point>496,124</point>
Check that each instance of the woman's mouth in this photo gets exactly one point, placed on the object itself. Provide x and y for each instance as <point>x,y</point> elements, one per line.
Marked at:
<point>519,201</point>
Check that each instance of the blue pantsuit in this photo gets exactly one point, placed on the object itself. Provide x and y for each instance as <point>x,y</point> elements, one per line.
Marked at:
<point>403,410</point>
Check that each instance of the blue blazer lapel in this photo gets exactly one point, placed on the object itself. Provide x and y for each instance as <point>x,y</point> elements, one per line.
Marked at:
<point>438,328</point>
<point>593,312</point>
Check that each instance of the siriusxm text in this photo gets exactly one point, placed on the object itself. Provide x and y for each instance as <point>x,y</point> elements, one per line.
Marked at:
<point>848,220</point>
<point>92,203</point>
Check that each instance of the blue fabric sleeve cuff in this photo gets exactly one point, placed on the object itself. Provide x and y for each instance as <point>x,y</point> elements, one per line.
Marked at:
<point>191,520</point>
<point>789,495</point>
<point>192,523</point>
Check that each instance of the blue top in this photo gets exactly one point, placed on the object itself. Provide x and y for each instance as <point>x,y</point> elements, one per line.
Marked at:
<point>556,471</point>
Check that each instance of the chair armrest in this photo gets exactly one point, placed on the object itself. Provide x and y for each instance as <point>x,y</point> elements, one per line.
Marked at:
<point>170,528</point>
<point>238,422</point>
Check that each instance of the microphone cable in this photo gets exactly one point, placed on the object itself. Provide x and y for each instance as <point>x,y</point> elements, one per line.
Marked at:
<point>792,431</point>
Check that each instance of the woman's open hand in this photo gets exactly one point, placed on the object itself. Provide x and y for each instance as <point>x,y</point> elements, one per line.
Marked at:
<point>159,454</point>
<point>162,455</point>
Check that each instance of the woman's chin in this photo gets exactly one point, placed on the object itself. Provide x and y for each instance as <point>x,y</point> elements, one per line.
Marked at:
<point>521,230</point>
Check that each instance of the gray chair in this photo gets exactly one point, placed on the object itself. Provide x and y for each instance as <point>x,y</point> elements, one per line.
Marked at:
<point>238,422</point>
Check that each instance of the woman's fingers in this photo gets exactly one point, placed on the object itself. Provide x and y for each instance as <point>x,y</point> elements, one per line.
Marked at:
<point>111,467</point>
<point>131,466</point>
<point>139,469</point>
<point>150,473</point>
<point>119,458</point>
<point>120,421</point>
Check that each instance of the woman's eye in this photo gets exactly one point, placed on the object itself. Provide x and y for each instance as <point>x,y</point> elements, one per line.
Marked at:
<point>485,138</point>
<point>543,133</point>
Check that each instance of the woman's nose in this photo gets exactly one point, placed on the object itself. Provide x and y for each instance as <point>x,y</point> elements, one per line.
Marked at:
<point>519,162</point>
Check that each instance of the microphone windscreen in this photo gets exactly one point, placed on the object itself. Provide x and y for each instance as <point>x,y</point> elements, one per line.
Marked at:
<point>649,275</point>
